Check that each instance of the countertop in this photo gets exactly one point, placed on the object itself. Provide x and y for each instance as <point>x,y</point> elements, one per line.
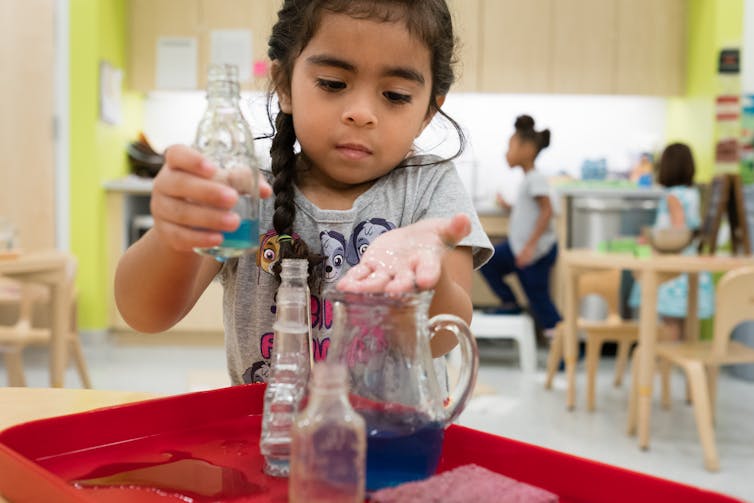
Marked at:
<point>130,184</point>
<point>609,190</point>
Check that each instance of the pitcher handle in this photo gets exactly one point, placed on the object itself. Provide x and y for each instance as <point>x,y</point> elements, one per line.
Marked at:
<point>469,361</point>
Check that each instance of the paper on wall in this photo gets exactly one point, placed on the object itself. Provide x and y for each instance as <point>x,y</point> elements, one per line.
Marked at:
<point>176,63</point>
<point>233,47</point>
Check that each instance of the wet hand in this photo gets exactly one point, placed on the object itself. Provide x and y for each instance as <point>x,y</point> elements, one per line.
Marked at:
<point>408,258</point>
<point>191,200</point>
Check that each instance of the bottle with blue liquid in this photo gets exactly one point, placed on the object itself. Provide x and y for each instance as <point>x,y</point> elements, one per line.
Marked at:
<point>224,137</point>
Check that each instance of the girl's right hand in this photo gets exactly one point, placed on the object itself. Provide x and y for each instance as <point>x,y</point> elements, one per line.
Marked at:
<point>190,207</point>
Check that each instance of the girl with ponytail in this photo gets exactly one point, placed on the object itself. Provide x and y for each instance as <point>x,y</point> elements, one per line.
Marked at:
<point>531,248</point>
<point>355,82</point>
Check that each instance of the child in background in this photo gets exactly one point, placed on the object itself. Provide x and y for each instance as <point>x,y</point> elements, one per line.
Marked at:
<point>680,208</point>
<point>531,248</point>
<point>356,83</point>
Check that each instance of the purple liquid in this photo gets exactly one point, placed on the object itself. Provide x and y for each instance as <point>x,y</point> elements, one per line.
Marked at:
<point>400,448</point>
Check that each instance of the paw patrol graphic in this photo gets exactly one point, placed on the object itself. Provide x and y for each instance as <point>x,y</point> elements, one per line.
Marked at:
<point>258,372</point>
<point>334,251</point>
<point>269,251</point>
<point>363,235</point>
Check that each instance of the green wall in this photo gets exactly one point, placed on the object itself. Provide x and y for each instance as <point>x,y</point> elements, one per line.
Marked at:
<point>711,25</point>
<point>97,150</point>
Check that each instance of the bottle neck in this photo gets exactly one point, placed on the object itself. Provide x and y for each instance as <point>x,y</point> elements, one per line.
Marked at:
<point>294,272</point>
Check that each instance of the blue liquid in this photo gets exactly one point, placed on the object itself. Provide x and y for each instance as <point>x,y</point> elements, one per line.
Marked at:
<point>246,236</point>
<point>401,449</point>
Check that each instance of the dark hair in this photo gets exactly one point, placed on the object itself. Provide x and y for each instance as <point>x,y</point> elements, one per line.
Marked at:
<point>428,20</point>
<point>676,166</point>
<point>525,130</point>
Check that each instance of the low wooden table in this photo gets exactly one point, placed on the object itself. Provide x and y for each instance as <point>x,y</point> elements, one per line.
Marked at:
<point>651,271</point>
<point>19,405</point>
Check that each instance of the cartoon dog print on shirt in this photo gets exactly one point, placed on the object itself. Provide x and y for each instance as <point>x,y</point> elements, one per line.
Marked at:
<point>269,250</point>
<point>334,251</point>
<point>363,235</point>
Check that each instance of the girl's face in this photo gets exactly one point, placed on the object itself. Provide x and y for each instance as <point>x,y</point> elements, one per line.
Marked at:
<point>360,94</point>
<point>519,152</point>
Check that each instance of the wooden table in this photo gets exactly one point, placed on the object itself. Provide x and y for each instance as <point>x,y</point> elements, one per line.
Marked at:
<point>18,405</point>
<point>652,271</point>
<point>50,268</point>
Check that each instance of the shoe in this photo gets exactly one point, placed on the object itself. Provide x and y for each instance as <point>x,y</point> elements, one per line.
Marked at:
<point>509,309</point>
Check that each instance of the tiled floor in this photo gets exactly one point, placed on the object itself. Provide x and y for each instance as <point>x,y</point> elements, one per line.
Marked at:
<point>510,403</point>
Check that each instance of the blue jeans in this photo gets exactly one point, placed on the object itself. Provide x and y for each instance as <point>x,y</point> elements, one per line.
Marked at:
<point>534,279</point>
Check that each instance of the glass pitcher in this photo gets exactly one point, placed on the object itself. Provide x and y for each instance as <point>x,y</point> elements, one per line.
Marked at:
<point>383,339</point>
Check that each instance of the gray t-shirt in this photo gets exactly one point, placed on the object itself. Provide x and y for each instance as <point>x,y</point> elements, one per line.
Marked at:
<point>525,213</point>
<point>402,197</point>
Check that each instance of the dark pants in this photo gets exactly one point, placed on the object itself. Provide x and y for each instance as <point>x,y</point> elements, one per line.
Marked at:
<point>534,278</point>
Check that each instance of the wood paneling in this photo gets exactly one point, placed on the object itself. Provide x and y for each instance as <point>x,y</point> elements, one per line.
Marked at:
<point>27,173</point>
<point>466,15</point>
<point>584,46</point>
<point>516,46</point>
<point>651,47</point>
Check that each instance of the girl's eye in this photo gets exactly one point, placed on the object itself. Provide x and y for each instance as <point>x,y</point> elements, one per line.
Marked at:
<point>331,85</point>
<point>399,98</point>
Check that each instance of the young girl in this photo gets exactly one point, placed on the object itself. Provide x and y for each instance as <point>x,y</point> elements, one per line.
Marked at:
<point>356,82</point>
<point>531,247</point>
<point>679,208</point>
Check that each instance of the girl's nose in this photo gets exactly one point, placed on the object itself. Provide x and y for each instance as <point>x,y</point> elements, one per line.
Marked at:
<point>360,112</point>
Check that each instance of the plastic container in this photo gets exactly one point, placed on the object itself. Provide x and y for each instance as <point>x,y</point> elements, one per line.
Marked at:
<point>222,428</point>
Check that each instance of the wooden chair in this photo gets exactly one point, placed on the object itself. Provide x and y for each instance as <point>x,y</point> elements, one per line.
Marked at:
<point>701,360</point>
<point>605,284</point>
<point>14,338</point>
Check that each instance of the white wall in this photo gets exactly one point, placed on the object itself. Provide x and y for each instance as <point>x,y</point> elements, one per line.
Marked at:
<point>617,128</point>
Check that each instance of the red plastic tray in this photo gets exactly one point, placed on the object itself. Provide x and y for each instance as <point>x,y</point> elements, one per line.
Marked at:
<point>38,458</point>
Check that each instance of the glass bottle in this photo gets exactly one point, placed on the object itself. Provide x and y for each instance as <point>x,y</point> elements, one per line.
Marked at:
<point>289,371</point>
<point>329,443</point>
<point>224,137</point>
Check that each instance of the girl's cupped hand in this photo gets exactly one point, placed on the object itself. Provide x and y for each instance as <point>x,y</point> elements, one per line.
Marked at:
<point>407,258</point>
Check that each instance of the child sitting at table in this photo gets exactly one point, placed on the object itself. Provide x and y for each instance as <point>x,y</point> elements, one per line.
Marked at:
<point>680,208</point>
<point>531,248</point>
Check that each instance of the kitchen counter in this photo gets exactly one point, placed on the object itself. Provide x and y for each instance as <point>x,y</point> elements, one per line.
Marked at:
<point>607,189</point>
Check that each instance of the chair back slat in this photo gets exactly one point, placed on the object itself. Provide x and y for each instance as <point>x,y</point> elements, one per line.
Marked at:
<point>734,305</point>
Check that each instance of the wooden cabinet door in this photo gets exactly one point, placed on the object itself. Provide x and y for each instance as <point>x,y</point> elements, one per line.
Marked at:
<point>466,25</point>
<point>516,46</point>
<point>27,173</point>
<point>651,43</point>
<point>585,46</point>
<point>256,15</point>
<point>148,20</point>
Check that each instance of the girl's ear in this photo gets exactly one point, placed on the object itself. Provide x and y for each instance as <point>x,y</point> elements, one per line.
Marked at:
<point>431,111</point>
<point>282,87</point>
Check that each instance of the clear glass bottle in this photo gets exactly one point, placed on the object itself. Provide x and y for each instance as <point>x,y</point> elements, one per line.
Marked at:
<point>224,137</point>
<point>329,443</point>
<point>290,366</point>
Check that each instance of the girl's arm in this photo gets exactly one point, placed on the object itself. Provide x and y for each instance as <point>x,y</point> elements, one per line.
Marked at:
<point>545,214</point>
<point>675,210</point>
<point>452,295</point>
<point>155,286</point>
<point>160,278</point>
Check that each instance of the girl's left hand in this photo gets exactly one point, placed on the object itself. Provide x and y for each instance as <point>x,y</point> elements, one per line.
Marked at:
<point>524,258</point>
<point>407,258</point>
